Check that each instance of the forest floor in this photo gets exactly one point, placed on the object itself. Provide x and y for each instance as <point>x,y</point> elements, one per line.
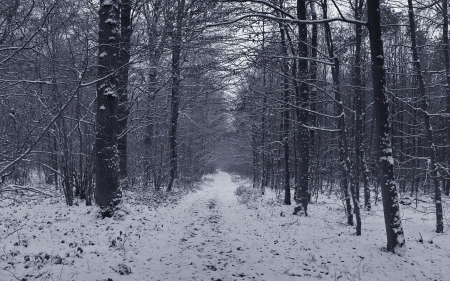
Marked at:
<point>213,234</point>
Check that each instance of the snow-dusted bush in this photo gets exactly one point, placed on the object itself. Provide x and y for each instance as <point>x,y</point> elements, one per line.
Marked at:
<point>247,195</point>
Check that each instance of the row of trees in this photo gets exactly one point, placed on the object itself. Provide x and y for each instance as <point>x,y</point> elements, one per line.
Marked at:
<point>348,92</point>
<point>157,111</point>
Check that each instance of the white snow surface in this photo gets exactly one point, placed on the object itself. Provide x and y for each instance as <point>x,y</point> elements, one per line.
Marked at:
<point>209,235</point>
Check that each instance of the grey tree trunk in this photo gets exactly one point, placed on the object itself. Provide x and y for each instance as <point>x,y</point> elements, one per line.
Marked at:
<point>313,67</point>
<point>123,110</point>
<point>349,179</point>
<point>157,40</point>
<point>427,122</point>
<point>285,127</point>
<point>107,193</point>
<point>302,96</point>
<point>175,95</point>
<point>447,72</point>
<point>361,170</point>
<point>393,222</point>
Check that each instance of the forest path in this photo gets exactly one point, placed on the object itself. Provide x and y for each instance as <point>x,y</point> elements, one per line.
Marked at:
<point>210,236</point>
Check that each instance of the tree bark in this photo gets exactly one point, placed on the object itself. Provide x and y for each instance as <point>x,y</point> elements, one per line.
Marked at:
<point>393,223</point>
<point>108,193</point>
<point>175,94</point>
<point>285,127</point>
<point>349,179</point>
<point>313,67</point>
<point>157,40</point>
<point>302,96</point>
<point>123,109</point>
<point>359,128</point>
<point>447,89</point>
<point>427,122</point>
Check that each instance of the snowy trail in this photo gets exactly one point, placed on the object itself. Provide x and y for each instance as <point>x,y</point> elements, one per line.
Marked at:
<point>209,235</point>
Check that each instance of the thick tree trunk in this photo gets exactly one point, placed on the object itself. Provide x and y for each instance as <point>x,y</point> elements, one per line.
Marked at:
<point>107,193</point>
<point>123,111</point>
<point>427,122</point>
<point>393,223</point>
<point>303,134</point>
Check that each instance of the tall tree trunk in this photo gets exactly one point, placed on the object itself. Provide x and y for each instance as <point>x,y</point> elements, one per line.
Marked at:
<point>157,40</point>
<point>175,94</point>
<point>314,170</point>
<point>361,170</point>
<point>107,193</point>
<point>302,96</point>
<point>427,121</point>
<point>296,125</point>
<point>393,222</point>
<point>344,154</point>
<point>285,127</point>
<point>447,89</point>
<point>123,110</point>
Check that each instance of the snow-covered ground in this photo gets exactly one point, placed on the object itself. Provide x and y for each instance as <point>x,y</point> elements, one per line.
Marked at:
<point>209,235</point>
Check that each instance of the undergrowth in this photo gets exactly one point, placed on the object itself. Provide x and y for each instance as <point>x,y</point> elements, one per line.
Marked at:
<point>247,195</point>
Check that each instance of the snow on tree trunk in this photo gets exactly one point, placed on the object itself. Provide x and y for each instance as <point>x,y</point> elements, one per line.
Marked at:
<point>393,223</point>
<point>108,193</point>
<point>361,170</point>
<point>427,122</point>
<point>347,169</point>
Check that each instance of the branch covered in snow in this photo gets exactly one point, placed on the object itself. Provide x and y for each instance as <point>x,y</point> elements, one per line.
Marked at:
<point>14,187</point>
<point>290,20</point>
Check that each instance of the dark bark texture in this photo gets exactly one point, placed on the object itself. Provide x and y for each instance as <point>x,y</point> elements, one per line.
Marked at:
<point>303,134</point>
<point>447,72</point>
<point>285,131</point>
<point>427,122</point>
<point>107,193</point>
<point>394,229</point>
<point>175,94</point>
<point>123,110</point>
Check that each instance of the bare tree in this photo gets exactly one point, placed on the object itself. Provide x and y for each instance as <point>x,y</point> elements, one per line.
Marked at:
<point>427,123</point>
<point>393,223</point>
